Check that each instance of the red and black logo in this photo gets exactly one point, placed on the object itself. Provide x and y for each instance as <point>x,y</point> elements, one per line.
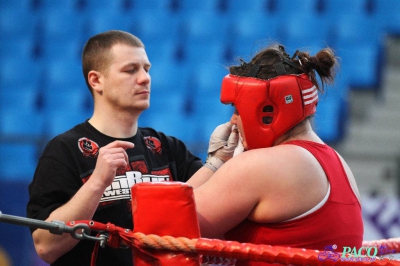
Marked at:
<point>154,144</point>
<point>88,147</point>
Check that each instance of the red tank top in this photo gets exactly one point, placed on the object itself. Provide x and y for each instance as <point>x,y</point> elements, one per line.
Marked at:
<point>338,221</point>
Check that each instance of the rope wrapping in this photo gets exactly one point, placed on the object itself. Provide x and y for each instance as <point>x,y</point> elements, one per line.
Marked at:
<point>181,244</point>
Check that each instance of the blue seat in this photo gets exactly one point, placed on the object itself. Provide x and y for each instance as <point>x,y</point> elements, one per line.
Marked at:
<point>61,24</point>
<point>21,124</point>
<point>171,103</point>
<point>185,6</point>
<point>289,10</point>
<point>61,74</point>
<point>178,125</point>
<point>333,9</point>
<point>204,26</point>
<point>362,65</point>
<point>210,106</point>
<point>206,107</point>
<point>168,89</point>
<point>59,121</point>
<point>354,29</point>
<point>206,79</point>
<point>331,119</point>
<point>251,30</point>
<point>297,33</point>
<point>60,49</point>
<point>208,113</point>
<point>16,4</point>
<point>18,47</point>
<point>245,49</point>
<point>386,14</point>
<point>17,22</point>
<point>160,52</point>
<point>360,44</point>
<point>154,25</point>
<point>115,6</point>
<point>152,5</point>
<point>15,98</point>
<point>13,199</point>
<point>75,99</point>
<point>50,6</point>
<point>201,38</point>
<point>238,7</point>
<point>18,161</point>
<point>104,20</point>
<point>213,52</point>
<point>168,76</point>
<point>11,69</point>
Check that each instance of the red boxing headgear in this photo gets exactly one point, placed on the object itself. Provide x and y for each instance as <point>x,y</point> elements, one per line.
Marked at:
<point>269,108</point>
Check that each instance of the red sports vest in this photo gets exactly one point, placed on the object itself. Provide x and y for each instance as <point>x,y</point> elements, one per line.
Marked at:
<point>338,221</point>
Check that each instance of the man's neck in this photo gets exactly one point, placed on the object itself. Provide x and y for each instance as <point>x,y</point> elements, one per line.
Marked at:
<point>116,125</point>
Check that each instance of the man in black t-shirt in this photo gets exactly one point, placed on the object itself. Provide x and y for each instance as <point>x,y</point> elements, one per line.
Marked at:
<point>86,173</point>
<point>60,176</point>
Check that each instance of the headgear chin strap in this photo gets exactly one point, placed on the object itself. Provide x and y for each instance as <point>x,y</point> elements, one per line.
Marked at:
<point>269,108</point>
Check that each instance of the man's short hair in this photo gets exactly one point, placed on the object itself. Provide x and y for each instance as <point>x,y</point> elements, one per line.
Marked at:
<point>96,52</point>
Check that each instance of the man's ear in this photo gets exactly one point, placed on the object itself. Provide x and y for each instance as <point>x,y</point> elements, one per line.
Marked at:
<point>95,80</point>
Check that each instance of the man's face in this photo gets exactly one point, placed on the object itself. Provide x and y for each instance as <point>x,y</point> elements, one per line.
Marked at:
<point>127,80</point>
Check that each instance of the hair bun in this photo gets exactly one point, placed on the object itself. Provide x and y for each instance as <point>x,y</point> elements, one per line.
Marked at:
<point>313,62</point>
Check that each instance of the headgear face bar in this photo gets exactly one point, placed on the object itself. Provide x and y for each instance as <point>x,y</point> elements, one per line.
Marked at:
<point>269,108</point>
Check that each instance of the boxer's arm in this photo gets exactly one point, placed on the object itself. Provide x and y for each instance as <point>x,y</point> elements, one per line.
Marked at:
<point>223,142</point>
<point>226,199</point>
<point>200,177</point>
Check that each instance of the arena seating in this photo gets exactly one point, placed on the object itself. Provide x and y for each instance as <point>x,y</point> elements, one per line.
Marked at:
<point>19,71</point>
<point>17,22</point>
<point>186,39</point>
<point>155,27</point>
<point>385,14</point>
<point>237,7</point>
<point>18,161</point>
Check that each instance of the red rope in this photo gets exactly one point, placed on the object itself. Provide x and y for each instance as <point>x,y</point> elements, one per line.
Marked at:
<point>275,254</point>
<point>231,250</point>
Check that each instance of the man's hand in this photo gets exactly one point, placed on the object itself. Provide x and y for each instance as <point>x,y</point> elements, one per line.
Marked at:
<point>223,142</point>
<point>111,158</point>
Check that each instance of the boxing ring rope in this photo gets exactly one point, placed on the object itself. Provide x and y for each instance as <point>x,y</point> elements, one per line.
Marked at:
<point>156,248</point>
<point>214,251</point>
<point>228,252</point>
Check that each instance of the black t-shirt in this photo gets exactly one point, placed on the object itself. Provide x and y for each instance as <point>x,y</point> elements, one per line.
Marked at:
<point>69,160</point>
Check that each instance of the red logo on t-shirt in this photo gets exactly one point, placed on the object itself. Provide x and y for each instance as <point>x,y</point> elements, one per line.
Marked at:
<point>154,144</point>
<point>88,147</point>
